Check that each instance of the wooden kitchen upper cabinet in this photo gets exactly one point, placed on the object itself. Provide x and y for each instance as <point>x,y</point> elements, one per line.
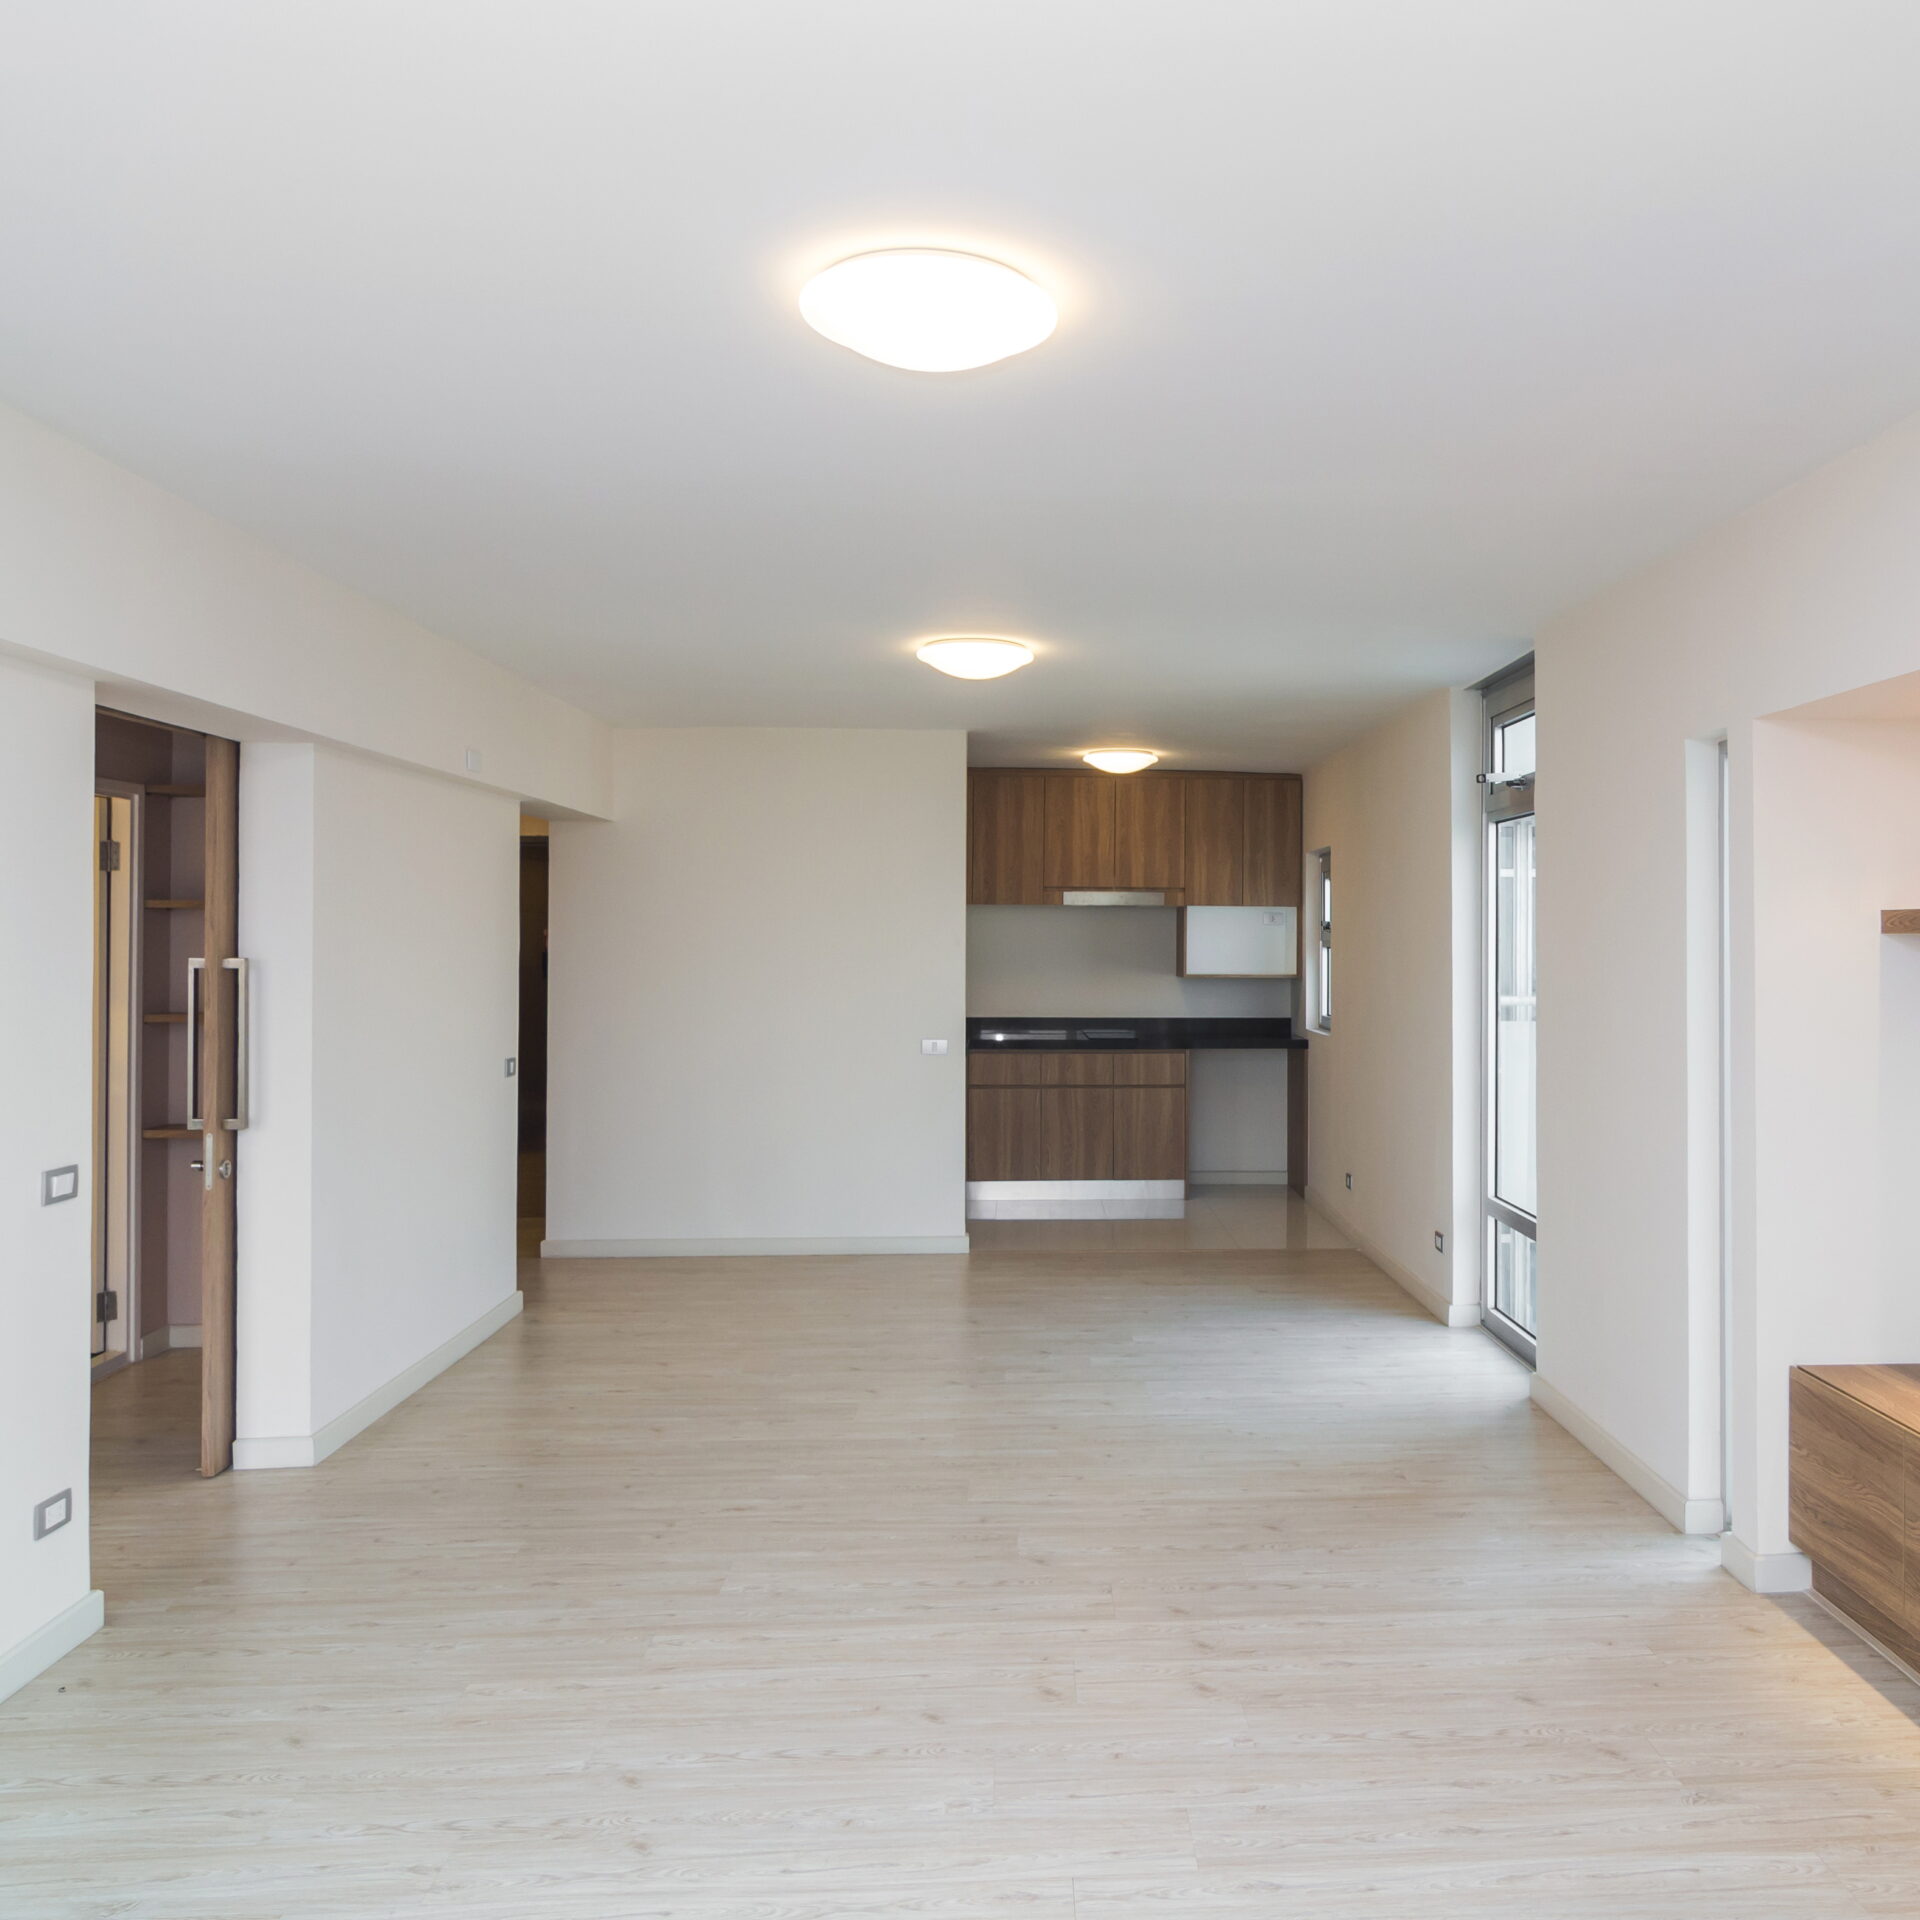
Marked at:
<point>1006,837</point>
<point>1081,824</point>
<point>1204,839</point>
<point>1216,835</point>
<point>1272,840</point>
<point>1150,839</point>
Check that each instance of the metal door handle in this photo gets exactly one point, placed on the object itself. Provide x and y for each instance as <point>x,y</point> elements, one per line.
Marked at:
<point>194,970</point>
<point>242,1023</point>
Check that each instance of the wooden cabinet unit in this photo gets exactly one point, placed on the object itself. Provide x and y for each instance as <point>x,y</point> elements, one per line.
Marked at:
<point>1854,1495</point>
<point>1202,839</point>
<point>1216,830</point>
<point>1077,1115</point>
<point>1006,831</point>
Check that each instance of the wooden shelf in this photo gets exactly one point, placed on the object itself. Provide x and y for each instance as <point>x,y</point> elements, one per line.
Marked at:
<point>175,906</point>
<point>1900,920</point>
<point>164,792</point>
<point>169,1133</point>
<point>164,1019</point>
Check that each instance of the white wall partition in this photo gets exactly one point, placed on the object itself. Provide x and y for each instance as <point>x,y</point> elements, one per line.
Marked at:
<point>1394,1086</point>
<point>46,1120</point>
<point>744,964</point>
<point>1812,594</point>
<point>380,909</point>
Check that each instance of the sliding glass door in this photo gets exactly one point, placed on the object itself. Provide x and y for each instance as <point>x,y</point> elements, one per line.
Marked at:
<point>1510,1294</point>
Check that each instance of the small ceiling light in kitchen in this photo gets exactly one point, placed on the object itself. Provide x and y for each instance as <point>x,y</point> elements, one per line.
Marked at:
<point>1120,760</point>
<point>974,656</point>
<point>928,310</point>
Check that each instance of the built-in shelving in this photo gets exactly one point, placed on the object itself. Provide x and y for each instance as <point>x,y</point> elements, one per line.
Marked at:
<point>1900,919</point>
<point>169,1133</point>
<point>175,906</point>
<point>163,1019</point>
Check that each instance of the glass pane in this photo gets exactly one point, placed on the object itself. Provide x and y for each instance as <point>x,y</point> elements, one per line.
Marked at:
<point>1513,748</point>
<point>1514,1029</point>
<point>1515,1260</point>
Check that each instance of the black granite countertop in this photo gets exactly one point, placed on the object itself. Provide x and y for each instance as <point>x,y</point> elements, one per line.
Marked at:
<point>1038,1033</point>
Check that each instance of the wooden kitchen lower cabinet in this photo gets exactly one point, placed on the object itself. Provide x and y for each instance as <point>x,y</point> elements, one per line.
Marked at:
<point>1077,1115</point>
<point>1076,1135</point>
<point>1149,1133</point>
<point>1854,1495</point>
<point>1003,1132</point>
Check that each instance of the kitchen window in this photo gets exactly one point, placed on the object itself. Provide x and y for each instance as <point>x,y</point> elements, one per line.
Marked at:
<point>1322,1020</point>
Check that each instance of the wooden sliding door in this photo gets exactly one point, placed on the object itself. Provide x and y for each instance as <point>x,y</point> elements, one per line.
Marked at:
<point>219,1103</point>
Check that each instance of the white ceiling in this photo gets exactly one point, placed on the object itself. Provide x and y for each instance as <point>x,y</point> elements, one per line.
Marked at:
<point>1390,326</point>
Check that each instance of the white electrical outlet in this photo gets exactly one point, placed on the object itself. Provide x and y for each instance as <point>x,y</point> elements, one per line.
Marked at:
<point>933,1046</point>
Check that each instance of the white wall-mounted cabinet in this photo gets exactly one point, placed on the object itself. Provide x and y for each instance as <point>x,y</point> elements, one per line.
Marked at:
<point>1240,943</point>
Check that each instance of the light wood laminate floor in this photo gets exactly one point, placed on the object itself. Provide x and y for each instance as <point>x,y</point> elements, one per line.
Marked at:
<point>1128,1585</point>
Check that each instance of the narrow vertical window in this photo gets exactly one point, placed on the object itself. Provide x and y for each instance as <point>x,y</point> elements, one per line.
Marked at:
<point>1323,915</point>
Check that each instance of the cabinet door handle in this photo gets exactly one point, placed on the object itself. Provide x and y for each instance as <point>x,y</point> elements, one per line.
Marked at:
<point>242,1042</point>
<point>195,968</point>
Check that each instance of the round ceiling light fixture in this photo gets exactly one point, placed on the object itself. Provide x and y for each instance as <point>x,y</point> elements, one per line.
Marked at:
<point>974,656</point>
<point>1120,759</point>
<point>927,309</point>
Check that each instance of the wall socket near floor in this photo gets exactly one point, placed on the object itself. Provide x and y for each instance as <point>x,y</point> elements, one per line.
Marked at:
<point>53,1513</point>
<point>1439,1243</point>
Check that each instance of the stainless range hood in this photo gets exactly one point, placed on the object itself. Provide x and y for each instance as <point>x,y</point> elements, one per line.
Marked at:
<point>1113,897</point>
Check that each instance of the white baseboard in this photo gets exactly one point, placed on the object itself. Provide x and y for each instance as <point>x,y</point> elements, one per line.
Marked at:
<point>1450,1313</point>
<point>58,1638</point>
<point>309,1449</point>
<point>1684,1515</point>
<point>733,1249</point>
<point>167,1340</point>
<point>1238,1178</point>
<point>1787,1572</point>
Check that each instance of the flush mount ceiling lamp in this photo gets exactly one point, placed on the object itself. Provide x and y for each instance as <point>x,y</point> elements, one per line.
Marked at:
<point>974,656</point>
<point>1120,759</point>
<point>927,309</point>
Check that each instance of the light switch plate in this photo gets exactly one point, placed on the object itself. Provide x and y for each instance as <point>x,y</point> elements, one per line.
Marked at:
<point>513,1066</point>
<point>933,1046</point>
<point>59,1183</point>
<point>53,1513</point>
<point>473,759</point>
<point>1439,1243</point>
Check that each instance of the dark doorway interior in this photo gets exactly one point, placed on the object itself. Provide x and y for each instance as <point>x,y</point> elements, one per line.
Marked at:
<point>533,1034</point>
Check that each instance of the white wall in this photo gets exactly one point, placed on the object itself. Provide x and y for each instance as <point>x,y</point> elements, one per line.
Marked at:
<point>106,573</point>
<point>1811,593</point>
<point>1392,1089</point>
<point>1099,960</point>
<point>111,587</point>
<point>380,909</point>
<point>743,965</point>
<point>1121,960</point>
<point>46,1120</point>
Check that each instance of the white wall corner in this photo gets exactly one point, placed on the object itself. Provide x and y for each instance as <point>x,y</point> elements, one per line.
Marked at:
<point>54,1641</point>
<point>309,1449</point>
<point>1787,1572</point>
<point>1678,1510</point>
<point>1448,1311</point>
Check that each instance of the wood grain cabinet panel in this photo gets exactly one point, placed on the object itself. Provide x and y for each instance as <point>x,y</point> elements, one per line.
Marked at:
<point>1150,1133</point>
<point>1006,838</point>
<point>1006,1069</point>
<point>1076,1134</point>
<point>1150,829</point>
<point>1149,1069</point>
<point>1076,1069</point>
<point>1273,827</point>
<point>1003,1132</point>
<point>1847,1497</point>
<point>1216,839</point>
<point>1080,829</point>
